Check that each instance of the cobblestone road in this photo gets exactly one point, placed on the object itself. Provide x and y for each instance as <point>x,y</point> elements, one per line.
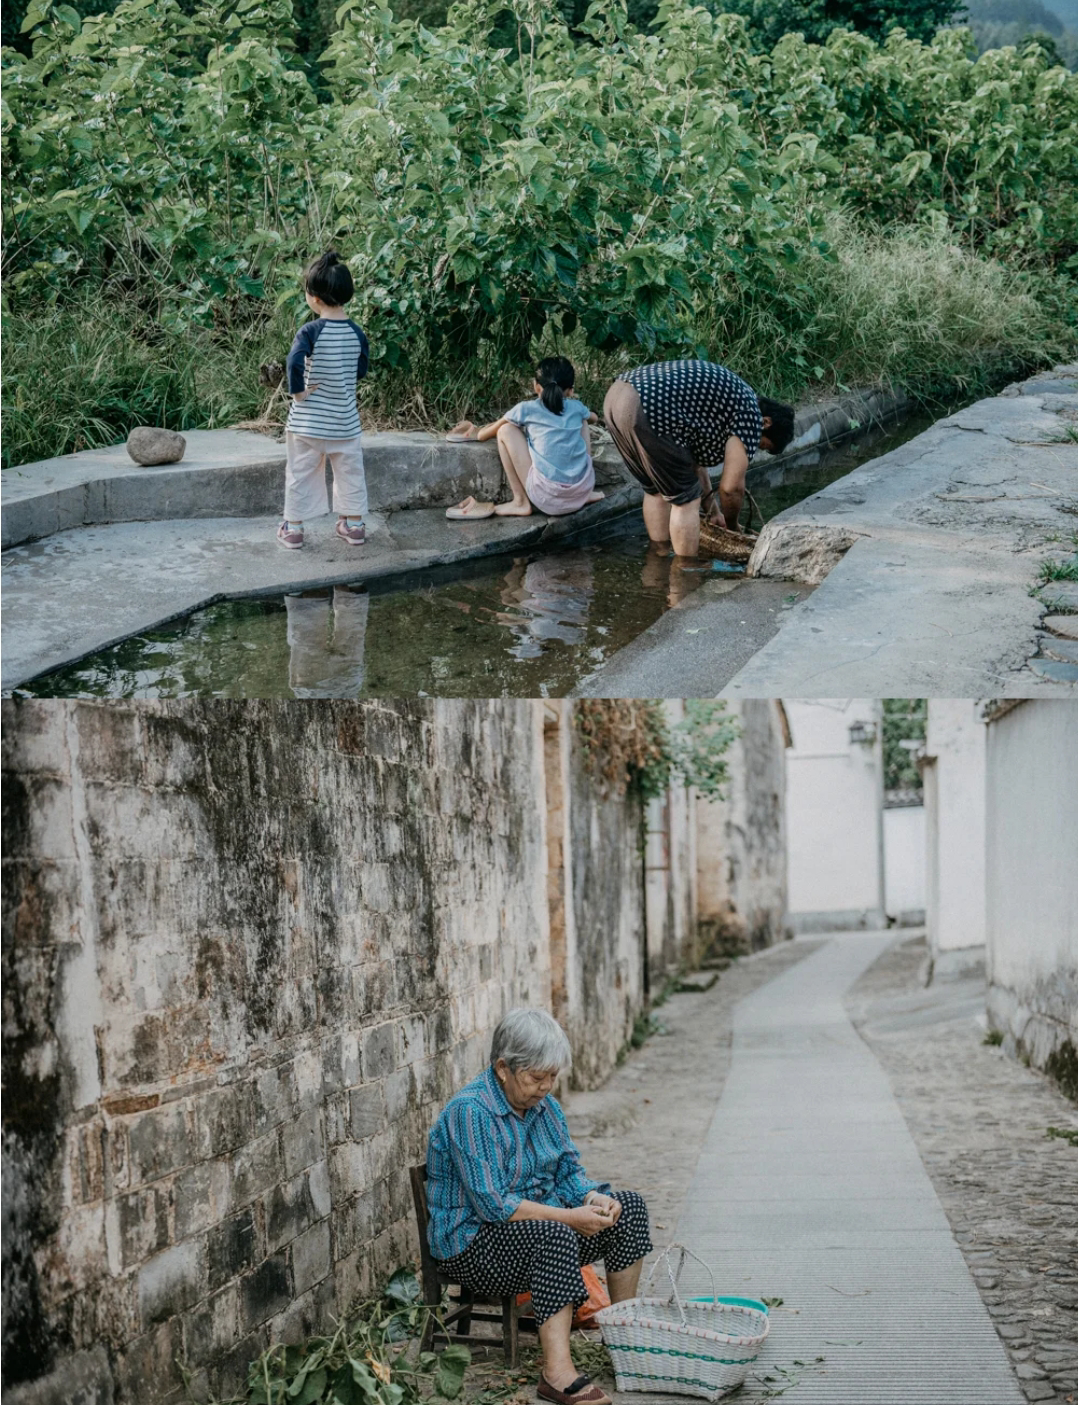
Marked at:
<point>980,1123</point>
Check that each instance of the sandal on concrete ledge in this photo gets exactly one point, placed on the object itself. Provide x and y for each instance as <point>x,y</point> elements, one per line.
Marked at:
<point>469,510</point>
<point>579,1392</point>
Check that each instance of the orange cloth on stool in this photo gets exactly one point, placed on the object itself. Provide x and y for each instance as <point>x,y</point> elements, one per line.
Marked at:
<point>597,1298</point>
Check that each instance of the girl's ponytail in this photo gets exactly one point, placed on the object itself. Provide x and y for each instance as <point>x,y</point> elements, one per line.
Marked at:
<point>554,376</point>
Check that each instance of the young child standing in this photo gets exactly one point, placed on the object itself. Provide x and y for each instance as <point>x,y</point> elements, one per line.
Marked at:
<point>544,449</point>
<point>328,357</point>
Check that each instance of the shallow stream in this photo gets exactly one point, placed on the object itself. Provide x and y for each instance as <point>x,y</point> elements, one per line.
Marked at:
<point>534,624</point>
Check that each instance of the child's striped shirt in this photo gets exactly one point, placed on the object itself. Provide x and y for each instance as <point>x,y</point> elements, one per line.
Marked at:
<point>331,354</point>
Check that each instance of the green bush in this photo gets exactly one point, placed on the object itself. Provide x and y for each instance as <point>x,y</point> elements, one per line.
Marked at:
<point>627,197</point>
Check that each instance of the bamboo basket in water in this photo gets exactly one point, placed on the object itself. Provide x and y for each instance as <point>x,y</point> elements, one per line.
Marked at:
<point>721,542</point>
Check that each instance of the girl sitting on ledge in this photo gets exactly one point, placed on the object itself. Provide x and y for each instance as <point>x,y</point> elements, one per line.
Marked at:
<point>544,448</point>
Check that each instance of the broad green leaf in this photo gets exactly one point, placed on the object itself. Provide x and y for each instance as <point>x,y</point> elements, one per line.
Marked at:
<point>450,1373</point>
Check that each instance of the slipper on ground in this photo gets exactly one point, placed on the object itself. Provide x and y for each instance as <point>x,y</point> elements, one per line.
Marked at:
<point>583,1391</point>
<point>476,513</point>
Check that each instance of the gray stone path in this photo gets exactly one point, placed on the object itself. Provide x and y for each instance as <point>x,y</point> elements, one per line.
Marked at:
<point>810,1188</point>
<point>927,559</point>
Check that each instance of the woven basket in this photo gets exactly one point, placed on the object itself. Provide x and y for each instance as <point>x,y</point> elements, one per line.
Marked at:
<point>673,1346</point>
<point>724,544</point>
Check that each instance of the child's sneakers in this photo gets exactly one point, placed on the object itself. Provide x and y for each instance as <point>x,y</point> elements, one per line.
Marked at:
<point>350,530</point>
<point>290,535</point>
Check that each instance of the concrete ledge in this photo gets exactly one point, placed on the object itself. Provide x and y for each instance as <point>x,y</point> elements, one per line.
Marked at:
<point>238,473</point>
<point>228,473</point>
<point>925,561</point>
<point>957,963</point>
<point>77,592</point>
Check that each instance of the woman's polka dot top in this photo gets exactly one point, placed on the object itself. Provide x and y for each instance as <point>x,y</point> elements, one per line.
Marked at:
<point>699,405</point>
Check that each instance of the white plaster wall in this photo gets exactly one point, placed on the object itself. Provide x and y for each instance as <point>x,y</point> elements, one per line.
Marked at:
<point>954,780</point>
<point>905,863</point>
<point>1031,848</point>
<point>834,807</point>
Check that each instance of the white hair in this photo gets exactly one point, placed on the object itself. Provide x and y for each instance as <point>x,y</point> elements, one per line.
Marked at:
<point>528,1038</point>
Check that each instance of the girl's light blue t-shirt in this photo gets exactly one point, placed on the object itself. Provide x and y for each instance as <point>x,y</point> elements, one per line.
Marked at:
<point>558,449</point>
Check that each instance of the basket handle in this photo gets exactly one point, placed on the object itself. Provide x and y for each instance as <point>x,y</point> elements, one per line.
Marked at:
<point>753,509</point>
<point>675,1274</point>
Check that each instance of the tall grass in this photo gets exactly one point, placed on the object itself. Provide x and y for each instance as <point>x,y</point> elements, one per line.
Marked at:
<point>82,374</point>
<point>906,307</point>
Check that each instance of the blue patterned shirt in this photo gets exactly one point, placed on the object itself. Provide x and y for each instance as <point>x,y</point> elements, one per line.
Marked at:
<point>484,1159</point>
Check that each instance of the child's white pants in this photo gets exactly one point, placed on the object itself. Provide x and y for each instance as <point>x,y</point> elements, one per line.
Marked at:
<point>305,477</point>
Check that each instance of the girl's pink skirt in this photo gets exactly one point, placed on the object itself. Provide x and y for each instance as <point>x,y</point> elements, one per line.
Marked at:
<point>557,499</point>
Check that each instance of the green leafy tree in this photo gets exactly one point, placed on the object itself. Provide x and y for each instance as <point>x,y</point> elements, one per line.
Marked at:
<point>903,725</point>
<point>645,194</point>
<point>770,20</point>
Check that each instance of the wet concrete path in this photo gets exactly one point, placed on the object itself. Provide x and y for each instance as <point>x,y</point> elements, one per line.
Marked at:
<point>810,1188</point>
<point>75,592</point>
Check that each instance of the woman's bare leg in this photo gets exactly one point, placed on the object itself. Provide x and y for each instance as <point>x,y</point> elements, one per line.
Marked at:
<point>559,1369</point>
<point>623,1285</point>
<point>516,462</point>
<point>657,517</point>
<point>686,528</point>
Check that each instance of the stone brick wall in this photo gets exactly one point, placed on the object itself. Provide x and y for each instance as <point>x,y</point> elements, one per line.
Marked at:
<point>249,949</point>
<point>606,958</point>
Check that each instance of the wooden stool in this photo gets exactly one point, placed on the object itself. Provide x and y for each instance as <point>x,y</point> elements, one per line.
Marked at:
<point>464,1312</point>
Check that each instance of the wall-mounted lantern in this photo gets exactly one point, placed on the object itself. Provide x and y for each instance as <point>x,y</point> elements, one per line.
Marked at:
<point>862,733</point>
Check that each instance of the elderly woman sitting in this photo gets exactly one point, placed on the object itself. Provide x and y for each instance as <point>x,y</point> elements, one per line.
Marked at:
<point>512,1209</point>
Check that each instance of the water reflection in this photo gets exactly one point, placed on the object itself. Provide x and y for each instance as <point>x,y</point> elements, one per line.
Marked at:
<point>550,599</point>
<point>326,633</point>
<point>666,574</point>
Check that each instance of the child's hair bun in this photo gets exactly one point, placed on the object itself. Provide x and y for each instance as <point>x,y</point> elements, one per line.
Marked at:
<point>328,278</point>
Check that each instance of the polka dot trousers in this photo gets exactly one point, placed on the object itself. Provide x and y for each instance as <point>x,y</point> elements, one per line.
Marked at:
<point>545,1258</point>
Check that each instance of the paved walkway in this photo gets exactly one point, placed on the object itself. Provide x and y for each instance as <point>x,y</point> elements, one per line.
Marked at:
<point>809,1188</point>
<point>946,537</point>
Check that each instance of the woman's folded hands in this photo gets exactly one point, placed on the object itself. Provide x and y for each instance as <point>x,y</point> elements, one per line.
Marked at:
<point>607,1203</point>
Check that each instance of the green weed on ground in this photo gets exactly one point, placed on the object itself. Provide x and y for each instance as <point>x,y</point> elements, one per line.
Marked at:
<point>1057,571</point>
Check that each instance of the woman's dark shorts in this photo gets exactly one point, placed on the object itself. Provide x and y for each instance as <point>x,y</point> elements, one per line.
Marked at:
<point>545,1258</point>
<point>659,465</point>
